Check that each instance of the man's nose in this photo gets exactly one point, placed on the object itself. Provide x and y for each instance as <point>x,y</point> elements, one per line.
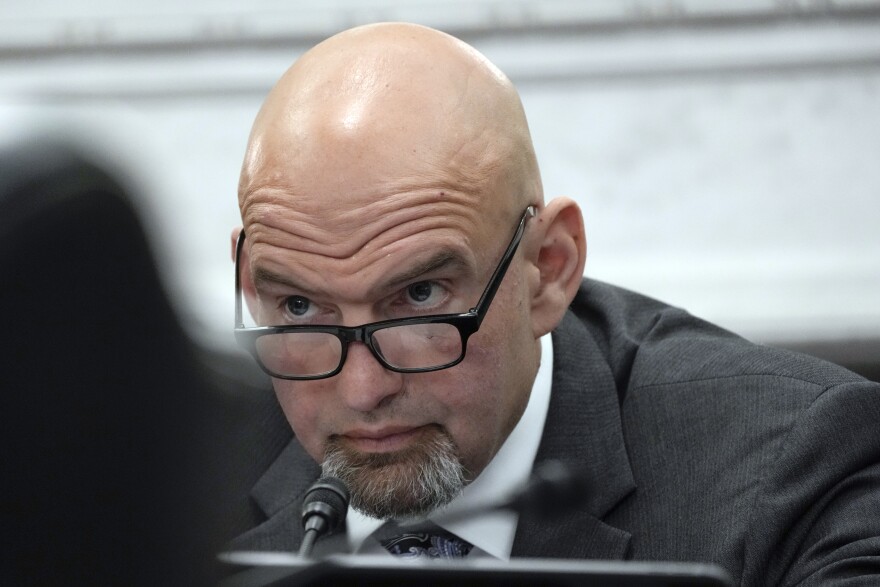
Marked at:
<point>364,383</point>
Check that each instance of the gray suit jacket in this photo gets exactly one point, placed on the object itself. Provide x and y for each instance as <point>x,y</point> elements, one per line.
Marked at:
<point>698,445</point>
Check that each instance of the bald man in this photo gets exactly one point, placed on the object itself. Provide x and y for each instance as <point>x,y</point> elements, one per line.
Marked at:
<point>423,316</point>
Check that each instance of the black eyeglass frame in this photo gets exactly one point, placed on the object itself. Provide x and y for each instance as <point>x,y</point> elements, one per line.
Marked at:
<point>467,323</point>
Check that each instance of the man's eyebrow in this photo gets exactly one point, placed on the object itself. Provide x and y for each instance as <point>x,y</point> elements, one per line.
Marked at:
<point>440,260</point>
<point>264,276</point>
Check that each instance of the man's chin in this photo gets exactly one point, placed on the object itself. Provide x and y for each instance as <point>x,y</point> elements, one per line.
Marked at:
<point>410,482</point>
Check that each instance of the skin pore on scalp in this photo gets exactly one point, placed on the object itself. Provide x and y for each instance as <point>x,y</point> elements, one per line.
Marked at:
<point>382,143</point>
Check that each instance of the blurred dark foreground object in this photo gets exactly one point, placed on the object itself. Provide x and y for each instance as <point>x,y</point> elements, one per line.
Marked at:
<point>367,570</point>
<point>124,454</point>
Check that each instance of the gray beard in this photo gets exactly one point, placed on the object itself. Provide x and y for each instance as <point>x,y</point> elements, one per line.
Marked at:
<point>410,483</point>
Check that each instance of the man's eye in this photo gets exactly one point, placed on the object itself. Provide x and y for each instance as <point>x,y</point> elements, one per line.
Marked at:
<point>298,305</point>
<point>421,291</point>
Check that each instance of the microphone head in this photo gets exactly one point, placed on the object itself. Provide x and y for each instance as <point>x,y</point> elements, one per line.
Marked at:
<point>328,498</point>
<point>553,489</point>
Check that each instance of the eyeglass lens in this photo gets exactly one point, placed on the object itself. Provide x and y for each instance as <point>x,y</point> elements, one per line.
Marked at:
<point>411,346</point>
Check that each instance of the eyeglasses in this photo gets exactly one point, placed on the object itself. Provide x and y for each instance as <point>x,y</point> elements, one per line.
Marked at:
<point>405,345</point>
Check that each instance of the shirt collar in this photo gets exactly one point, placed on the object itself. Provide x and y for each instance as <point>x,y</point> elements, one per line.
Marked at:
<point>491,534</point>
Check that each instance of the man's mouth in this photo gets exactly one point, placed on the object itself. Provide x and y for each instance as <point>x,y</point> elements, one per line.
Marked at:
<point>381,440</point>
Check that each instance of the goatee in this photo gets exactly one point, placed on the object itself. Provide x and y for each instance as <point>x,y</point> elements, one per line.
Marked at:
<point>409,483</point>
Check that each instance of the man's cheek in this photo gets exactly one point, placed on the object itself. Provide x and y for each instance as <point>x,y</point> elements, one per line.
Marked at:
<point>303,419</point>
<point>308,436</point>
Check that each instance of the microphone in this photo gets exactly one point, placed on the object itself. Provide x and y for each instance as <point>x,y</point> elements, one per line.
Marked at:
<point>324,507</point>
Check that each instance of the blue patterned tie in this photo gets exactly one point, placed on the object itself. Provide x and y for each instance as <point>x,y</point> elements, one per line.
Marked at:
<point>430,541</point>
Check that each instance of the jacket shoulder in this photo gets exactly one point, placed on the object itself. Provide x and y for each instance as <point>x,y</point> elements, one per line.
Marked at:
<point>650,343</point>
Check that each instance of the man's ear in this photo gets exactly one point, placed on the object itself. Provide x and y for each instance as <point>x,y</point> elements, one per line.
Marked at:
<point>560,258</point>
<point>247,284</point>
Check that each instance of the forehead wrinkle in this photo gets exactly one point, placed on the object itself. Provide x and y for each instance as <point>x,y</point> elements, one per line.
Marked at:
<point>349,232</point>
<point>264,229</point>
<point>445,247</point>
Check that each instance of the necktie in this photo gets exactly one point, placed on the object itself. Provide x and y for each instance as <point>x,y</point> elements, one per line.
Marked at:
<point>427,540</point>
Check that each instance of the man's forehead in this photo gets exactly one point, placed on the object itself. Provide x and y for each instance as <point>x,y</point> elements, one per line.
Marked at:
<point>365,152</point>
<point>360,221</point>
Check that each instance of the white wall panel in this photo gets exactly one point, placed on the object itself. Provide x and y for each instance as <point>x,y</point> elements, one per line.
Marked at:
<point>725,154</point>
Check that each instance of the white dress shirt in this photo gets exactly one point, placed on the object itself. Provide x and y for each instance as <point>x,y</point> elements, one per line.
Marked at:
<point>491,534</point>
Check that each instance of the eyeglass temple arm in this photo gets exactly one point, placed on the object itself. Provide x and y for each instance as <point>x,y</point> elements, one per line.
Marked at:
<point>239,323</point>
<point>495,281</point>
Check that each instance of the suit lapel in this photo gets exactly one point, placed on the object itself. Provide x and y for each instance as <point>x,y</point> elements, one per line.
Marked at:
<point>584,431</point>
<point>279,494</point>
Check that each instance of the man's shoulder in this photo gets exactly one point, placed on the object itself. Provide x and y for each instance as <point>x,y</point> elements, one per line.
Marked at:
<point>734,447</point>
<point>648,343</point>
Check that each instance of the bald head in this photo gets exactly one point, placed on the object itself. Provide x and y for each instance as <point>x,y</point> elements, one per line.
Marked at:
<point>388,103</point>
